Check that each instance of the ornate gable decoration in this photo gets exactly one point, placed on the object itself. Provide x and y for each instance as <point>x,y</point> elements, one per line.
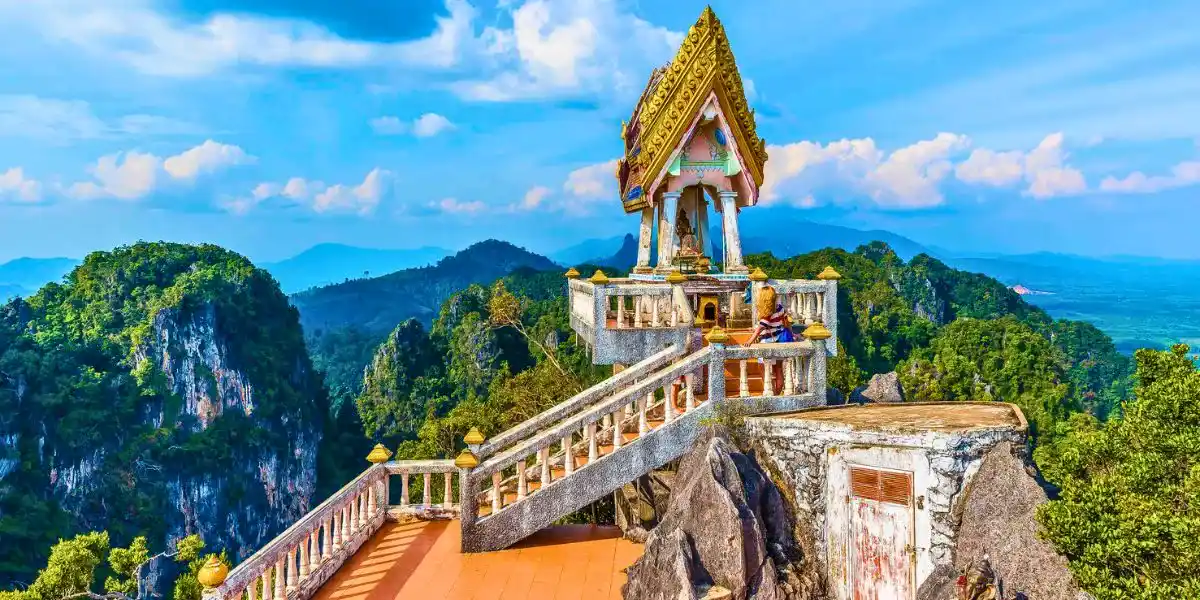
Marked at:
<point>673,97</point>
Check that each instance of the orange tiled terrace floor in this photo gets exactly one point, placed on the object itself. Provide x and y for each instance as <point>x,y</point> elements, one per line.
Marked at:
<point>421,560</point>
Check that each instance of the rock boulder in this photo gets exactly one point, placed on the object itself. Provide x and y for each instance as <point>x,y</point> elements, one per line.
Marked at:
<point>642,503</point>
<point>726,525</point>
<point>884,387</point>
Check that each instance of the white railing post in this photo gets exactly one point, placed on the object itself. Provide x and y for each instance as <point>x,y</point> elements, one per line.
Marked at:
<point>768,380</point>
<point>743,379</point>
<point>643,423</point>
<point>690,382</point>
<point>268,585</point>
<point>427,493</point>
<point>448,494</point>
<point>544,461</point>
<point>404,489</point>
<point>591,440</point>
<point>521,482</point>
<point>568,456</point>
<point>668,403</point>
<point>280,583</point>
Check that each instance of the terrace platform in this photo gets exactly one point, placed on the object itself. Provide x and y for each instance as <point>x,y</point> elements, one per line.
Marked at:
<point>421,560</point>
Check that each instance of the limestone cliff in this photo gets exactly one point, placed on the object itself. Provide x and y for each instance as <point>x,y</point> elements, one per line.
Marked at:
<point>161,390</point>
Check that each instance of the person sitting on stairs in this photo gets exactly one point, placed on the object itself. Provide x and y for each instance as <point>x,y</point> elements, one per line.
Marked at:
<point>773,326</point>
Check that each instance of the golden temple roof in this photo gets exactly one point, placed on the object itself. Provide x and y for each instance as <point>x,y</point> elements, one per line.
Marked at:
<point>673,96</point>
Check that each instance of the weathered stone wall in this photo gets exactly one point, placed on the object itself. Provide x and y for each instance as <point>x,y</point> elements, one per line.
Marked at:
<point>811,459</point>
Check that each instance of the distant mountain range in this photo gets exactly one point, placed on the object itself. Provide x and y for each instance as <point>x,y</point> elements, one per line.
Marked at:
<point>379,303</point>
<point>326,264</point>
<point>23,276</point>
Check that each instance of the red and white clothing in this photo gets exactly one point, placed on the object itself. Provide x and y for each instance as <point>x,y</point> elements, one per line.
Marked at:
<point>772,325</point>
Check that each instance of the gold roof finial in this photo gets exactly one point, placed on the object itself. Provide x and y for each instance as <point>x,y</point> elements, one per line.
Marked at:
<point>571,273</point>
<point>379,454</point>
<point>817,331</point>
<point>213,573</point>
<point>829,275</point>
<point>599,278</point>
<point>676,277</point>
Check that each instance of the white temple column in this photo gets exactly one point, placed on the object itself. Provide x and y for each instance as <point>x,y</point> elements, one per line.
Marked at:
<point>644,236</point>
<point>666,230</point>
<point>733,242</point>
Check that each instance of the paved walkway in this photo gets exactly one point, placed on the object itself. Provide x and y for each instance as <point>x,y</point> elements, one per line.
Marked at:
<point>420,560</point>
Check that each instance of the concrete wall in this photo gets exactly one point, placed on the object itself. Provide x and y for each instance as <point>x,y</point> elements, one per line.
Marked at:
<point>812,460</point>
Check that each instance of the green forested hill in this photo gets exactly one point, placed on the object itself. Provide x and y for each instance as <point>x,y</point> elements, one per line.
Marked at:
<point>379,303</point>
<point>146,395</point>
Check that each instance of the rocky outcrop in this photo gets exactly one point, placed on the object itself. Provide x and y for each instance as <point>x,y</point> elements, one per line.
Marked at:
<point>997,511</point>
<point>726,525</point>
<point>884,387</point>
<point>641,504</point>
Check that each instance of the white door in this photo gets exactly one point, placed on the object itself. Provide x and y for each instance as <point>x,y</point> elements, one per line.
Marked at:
<point>881,535</point>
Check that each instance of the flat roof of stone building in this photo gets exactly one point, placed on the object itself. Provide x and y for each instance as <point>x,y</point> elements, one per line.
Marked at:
<point>918,416</point>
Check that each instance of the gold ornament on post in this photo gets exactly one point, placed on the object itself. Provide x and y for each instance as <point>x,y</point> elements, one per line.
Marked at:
<point>758,275</point>
<point>379,454</point>
<point>716,335</point>
<point>599,278</point>
<point>466,460</point>
<point>474,437</point>
<point>817,331</point>
<point>676,277</point>
<point>213,573</point>
<point>571,273</point>
<point>829,275</point>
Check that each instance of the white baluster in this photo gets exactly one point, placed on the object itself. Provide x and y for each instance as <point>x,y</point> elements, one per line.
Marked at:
<point>371,502</point>
<point>337,530</point>
<point>327,551</point>
<point>521,482</point>
<point>768,381</point>
<point>655,318</point>
<point>691,392</point>
<point>643,423</point>
<point>252,589</point>
<point>427,495</point>
<point>568,456</point>
<point>616,436</point>
<point>821,306</point>
<point>404,489</point>
<point>354,517</point>
<point>314,554</point>
<point>268,587</point>
<point>544,461</point>
<point>304,558</point>
<point>743,380</point>
<point>789,373</point>
<point>448,494</point>
<point>591,440</point>
<point>292,580</point>
<point>637,311</point>
<point>620,312</point>
<point>496,498</point>
<point>346,531</point>
<point>668,403</point>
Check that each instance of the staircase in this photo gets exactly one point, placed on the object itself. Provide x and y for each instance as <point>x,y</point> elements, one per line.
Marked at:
<point>637,421</point>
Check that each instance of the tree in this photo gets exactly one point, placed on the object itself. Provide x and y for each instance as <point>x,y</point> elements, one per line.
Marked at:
<point>506,310</point>
<point>1128,515</point>
<point>71,569</point>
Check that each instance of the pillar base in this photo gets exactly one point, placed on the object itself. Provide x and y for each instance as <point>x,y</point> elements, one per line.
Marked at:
<point>738,269</point>
<point>643,270</point>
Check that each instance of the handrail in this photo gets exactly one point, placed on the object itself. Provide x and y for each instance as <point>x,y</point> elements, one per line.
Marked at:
<point>557,412</point>
<point>437,465</point>
<point>596,412</point>
<point>770,351</point>
<point>245,572</point>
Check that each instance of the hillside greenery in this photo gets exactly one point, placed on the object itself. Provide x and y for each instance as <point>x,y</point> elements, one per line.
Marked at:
<point>78,394</point>
<point>1128,511</point>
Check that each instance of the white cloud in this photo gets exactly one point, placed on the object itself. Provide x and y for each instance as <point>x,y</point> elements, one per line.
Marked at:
<point>205,158</point>
<point>360,199</point>
<point>1043,168</point>
<point>137,34</point>
<point>133,175</point>
<point>431,124</point>
<point>556,48</point>
<point>590,185</point>
<point>906,178</point>
<point>1183,174</point>
<point>533,198</point>
<point>1046,172</point>
<point>992,168</point>
<point>454,206</point>
<point>59,121</point>
<point>426,125</point>
<point>15,186</point>
<point>389,126</point>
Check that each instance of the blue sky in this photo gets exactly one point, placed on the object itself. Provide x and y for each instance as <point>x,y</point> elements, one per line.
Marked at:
<point>269,126</point>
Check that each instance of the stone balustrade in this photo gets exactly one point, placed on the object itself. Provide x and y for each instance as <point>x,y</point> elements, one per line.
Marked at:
<point>295,564</point>
<point>800,366</point>
<point>808,302</point>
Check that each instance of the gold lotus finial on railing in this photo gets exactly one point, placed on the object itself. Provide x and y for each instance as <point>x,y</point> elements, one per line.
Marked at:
<point>379,454</point>
<point>213,573</point>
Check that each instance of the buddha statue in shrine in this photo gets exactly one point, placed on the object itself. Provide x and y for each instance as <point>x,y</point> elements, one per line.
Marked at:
<point>688,244</point>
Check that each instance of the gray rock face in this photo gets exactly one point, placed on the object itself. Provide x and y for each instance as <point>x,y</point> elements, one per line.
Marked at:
<point>998,521</point>
<point>884,387</point>
<point>726,525</point>
<point>642,503</point>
